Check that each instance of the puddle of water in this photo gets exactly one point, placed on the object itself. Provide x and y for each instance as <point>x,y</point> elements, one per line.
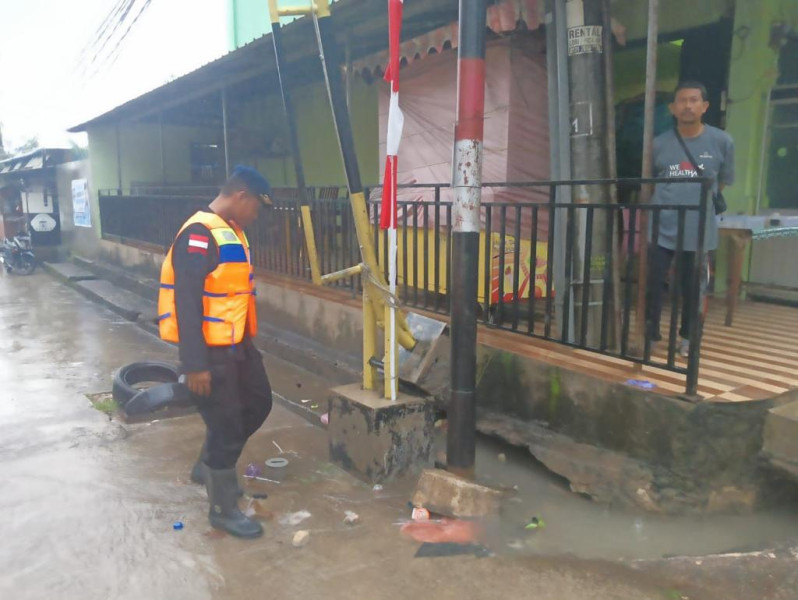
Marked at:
<point>578,526</point>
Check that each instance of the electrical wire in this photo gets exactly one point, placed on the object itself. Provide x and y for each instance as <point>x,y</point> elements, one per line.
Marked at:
<point>103,50</point>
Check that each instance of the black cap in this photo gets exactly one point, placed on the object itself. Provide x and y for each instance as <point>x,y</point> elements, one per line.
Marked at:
<point>255,182</point>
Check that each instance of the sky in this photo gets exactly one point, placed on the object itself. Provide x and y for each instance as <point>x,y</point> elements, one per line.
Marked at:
<point>43,91</point>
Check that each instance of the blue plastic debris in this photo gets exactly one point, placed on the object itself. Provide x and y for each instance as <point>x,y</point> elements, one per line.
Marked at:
<point>178,525</point>
<point>641,383</point>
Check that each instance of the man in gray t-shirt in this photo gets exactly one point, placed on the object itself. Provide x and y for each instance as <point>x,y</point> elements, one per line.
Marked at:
<point>713,150</point>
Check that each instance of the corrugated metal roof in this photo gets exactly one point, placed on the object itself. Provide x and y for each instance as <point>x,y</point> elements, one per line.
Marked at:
<point>33,161</point>
<point>364,21</point>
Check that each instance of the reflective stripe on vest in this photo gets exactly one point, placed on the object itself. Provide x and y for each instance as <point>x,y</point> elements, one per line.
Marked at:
<point>229,290</point>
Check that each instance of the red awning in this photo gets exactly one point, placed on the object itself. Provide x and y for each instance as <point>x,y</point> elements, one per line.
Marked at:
<point>503,17</point>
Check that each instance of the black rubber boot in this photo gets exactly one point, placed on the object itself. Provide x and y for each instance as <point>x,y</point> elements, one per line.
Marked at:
<point>224,514</point>
<point>198,472</point>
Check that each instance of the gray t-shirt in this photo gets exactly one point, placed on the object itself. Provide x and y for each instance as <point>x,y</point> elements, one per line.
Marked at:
<point>713,150</point>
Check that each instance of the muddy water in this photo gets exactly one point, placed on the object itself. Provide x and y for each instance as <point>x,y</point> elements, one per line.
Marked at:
<point>577,526</point>
<point>87,504</point>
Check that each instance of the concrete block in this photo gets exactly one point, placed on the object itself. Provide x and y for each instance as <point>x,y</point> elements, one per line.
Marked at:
<point>124,303</point>
<point>447,494</point>
<point>378,440</point>
<point>68,272</point>
<point>781,437</point>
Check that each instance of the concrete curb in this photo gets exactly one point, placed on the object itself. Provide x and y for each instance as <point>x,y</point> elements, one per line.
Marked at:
<point>301,351</point>
<point>296,408</point>
<point>61,271</point>
<point>300,410</point>
<point>131,314</point>
<point>144,287</point>
<point>93,296</point>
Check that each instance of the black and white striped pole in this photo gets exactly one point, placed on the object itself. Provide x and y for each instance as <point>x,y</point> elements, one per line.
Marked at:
<point>467,185</point>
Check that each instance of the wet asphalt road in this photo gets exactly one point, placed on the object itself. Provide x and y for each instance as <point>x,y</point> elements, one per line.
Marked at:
<point>87,503</point>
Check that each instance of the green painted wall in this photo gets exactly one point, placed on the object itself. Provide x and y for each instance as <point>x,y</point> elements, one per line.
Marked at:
<point>630,70</point>
<point>140,149</point>
<point>256,128</point>
<point>318,142</point>
<point>754,69</point>
<point>246,21</point>
<point>674,15</point>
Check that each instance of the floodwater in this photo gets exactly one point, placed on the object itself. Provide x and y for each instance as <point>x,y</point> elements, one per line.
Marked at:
<point>578,526</point>
<point>87,504</point>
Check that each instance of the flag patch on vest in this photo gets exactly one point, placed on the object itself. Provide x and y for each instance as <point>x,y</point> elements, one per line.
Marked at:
<point>198,243</point>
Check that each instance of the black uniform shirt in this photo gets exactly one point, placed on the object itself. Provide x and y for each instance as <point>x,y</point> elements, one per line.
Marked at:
<point>195,254</point>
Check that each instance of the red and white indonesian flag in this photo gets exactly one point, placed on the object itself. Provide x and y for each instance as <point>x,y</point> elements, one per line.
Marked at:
<point>388,213</point>
<point>395,117</point>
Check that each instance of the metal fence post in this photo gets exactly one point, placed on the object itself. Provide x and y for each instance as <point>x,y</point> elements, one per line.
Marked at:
<point>696,321</point>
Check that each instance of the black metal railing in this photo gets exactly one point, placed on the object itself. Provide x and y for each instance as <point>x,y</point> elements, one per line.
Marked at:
<point>581,293</point>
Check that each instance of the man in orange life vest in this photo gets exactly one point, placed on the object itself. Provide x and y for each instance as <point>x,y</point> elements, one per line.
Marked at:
<point>207,306</point>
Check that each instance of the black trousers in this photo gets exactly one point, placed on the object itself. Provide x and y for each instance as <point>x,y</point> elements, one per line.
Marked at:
<point>240,401</point>
<point>659,263</point>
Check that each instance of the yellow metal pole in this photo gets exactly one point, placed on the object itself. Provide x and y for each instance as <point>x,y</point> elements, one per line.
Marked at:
<point>377,283</point>
<point>287,232</point>
<point>310,241</point>
<point>391,347</point>
<point>369,342</point>
<point>343,274</point>
<point>294,11</point>
<point>363,229</point>
<point>322,8</point>
<point>307,223</point>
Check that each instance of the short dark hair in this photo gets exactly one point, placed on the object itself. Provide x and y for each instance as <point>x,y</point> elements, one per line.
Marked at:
<point>249,180</point>
<point>234,184</point>
<point>692,85</point>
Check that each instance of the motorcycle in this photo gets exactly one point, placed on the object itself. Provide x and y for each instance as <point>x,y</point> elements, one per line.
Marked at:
<point>17,255</point>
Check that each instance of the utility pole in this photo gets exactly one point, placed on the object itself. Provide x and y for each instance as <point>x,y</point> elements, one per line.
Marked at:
<point>588,109</point>
<point>467,184</point>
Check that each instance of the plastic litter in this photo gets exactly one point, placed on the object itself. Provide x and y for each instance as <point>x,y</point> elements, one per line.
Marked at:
<point>258,509</point>
<point>178,525</point>
<point>534,523</point>
<point>351,518</point>
<point>281,451</point>
<point>444,530</point>
<point>377,488</point>
<point>325,419</point>
<point>252,470</point>
<point>301,538</point>
<point>262,479</point>
<point>292,519</point>
<point>419,514</point>
<point>641,383</point>
<point>314,406</point>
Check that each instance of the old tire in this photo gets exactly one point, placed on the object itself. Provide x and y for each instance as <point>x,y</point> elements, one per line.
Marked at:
<point>130,379</point>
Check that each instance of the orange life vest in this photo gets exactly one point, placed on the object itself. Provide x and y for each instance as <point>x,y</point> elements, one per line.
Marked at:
<point>228,297</point>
